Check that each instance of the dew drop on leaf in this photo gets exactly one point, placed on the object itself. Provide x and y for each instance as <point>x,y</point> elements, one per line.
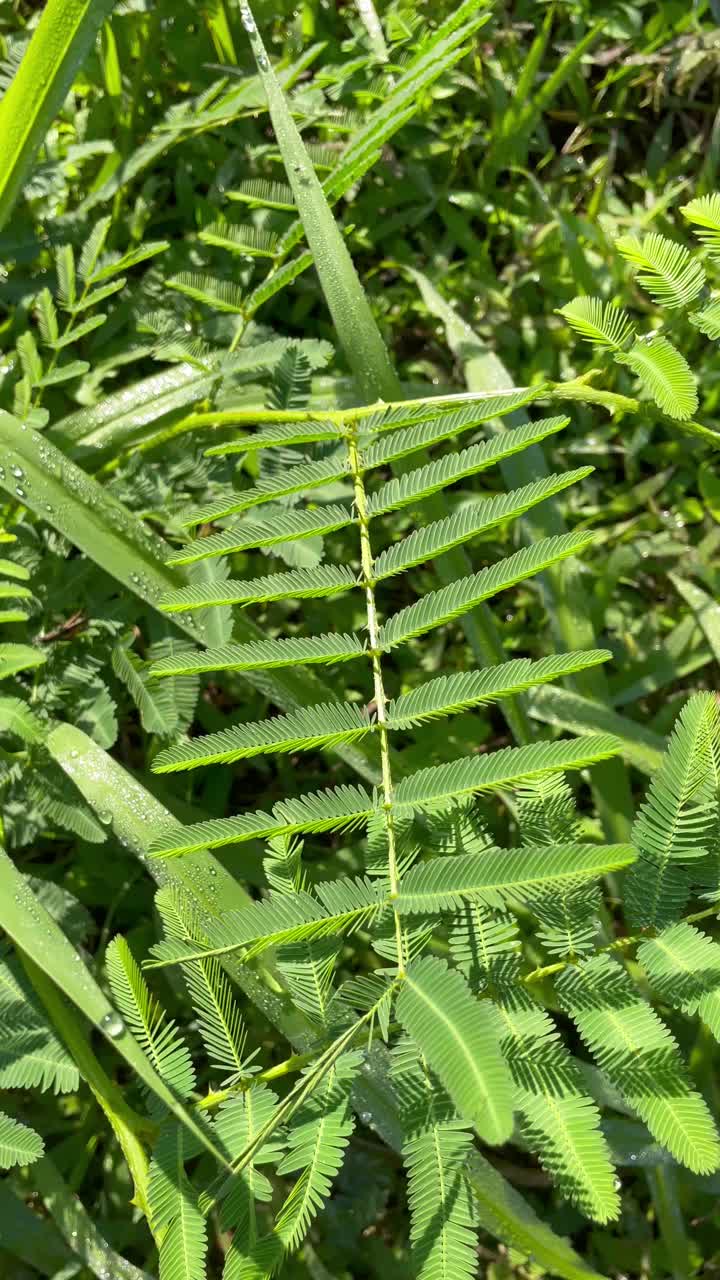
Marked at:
<point>112,1025</point>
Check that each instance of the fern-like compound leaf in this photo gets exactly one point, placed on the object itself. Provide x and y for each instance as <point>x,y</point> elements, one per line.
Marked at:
<point>707,320</point>
<point>19,1144</point>
<point>471,408</point>
<point>146,1019</point>
<point>297,584</point>
<point>601,323</point>
<point>281,918</point>
<point>506,767</point>
<point>32,1056</point>
<point>417,484</point>
<point>316,1141</point>
<point>668,271</point>
<point>444,1246</point>
<point>439,607</point>
<point>283,527</point>
<point>242,238</point>
<point>446,695</point>
<point>560,1122</point>
<point>640,1058</point>
<point>219,1020</point>
<point>704,215</point>
<point>280,433</point>
<point>458,1036</point>
<point>174,1210</point>
<point>335,809</point>
<point>434,539</point>
<point>260,655</point>
<point>19,657</point>
<point>308,476</point>
<point>324,725</point>
<point>479,938</point>
<point>677,823</point>
<point>425,434</point>
<point>259,193</point>
<point>683,966</point>
<point>218,294</point>
<point>665,374</point>
<point>517,875</point>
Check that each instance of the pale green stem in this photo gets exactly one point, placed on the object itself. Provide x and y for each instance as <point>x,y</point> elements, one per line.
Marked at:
<point>379,686</point>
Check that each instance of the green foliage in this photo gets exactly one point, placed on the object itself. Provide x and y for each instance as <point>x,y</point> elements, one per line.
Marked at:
<point>222,471</point>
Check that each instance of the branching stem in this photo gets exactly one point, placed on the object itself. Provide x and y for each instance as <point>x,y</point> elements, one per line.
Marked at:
<point>367,562</point>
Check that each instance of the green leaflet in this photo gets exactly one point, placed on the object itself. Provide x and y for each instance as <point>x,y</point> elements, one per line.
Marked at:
<point>677,823</point>
<point>641,1059</point>
<point>311,475</point>
<point>299,584</point>
<point>282,528</point>
<point>447,694</point>
<point>502,768</point>
<point>414,485</point>
<point>666,375</point>
<point>435,539</point>
<point>560,1121</point>
<point>443,884</point>
<point>457,1034</point>
<point>448,603</point>
<point>262,654</point>
<point>301,731</point>
<point>683,966</point>
<point>18,1143</point>
<point>666,270</point>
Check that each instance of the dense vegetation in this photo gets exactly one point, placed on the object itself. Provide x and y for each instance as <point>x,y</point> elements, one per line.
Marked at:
<point>359,749</point>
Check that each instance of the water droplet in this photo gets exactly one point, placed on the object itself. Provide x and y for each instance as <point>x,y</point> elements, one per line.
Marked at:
<point>112,1025</point>
<point>17,472</point>
<point>617,1184</point>
<point>20,492</point>
<point>633,1156</point>
<point>105,817</point>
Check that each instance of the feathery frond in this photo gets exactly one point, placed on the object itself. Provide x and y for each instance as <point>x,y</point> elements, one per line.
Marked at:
<point>458,1035</point>
<point>601,323</point>
<point>509,766</point>
<point>424,434</point>
<point>262,654</point>
<point>640,1058</point>
<point>414,485</point>
<point>283,528</point>
<point>297,584</point>
<point>439,607</point>
<point>19,1145</point>
<point>678,820</point>
<point>32,1056</point>
<point>434,539</point>
<point>302,730</point>
<point>144,1015</point>
<point>219,1018</point>
<point>278,434</point>
<point>304,478</point>
<point>707,320</point>
<point>666,270</point>
<point>335,809</point>
<point>703,214</point>
<point>559,1120</point>
<point>435,1150</point>
<point>515,875</point>
<point>665,374</point>
<point>683,966</point>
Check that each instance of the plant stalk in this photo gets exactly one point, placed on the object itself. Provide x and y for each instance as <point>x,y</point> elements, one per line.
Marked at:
<point>378,683</point>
